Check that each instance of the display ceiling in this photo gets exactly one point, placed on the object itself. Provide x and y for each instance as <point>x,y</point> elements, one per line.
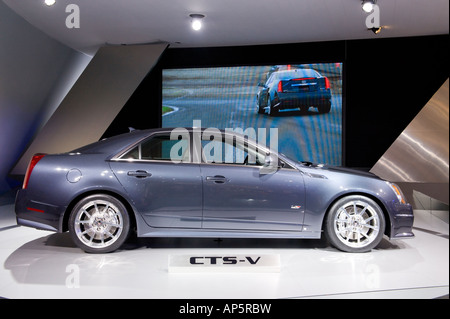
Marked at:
<point>229,22</point>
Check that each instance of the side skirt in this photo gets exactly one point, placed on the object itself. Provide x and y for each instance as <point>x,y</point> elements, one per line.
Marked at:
<point>211,233</point>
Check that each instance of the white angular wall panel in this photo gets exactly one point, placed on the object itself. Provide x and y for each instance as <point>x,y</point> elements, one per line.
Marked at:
<point>94,101</point>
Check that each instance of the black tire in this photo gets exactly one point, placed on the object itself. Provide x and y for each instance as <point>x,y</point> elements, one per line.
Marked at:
<point>271,110</point>
<point>325,107</point>
<point>355,232</point>
<point>260,109</point>
<point>99,224</point>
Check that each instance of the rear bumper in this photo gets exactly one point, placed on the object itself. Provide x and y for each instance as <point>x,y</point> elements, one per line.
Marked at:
<point>36,214</point>
<point>293,100</point>
<point>34,224</point>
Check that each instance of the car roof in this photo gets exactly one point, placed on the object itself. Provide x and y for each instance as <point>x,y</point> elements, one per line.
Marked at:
<point>115,144</point>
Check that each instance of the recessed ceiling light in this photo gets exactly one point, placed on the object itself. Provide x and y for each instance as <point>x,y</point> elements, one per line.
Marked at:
<point>50,2</point>
<point>196,21</point>
<point>367,5</point>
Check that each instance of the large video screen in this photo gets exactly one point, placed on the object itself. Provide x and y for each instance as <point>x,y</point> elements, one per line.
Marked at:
<point>303,102</point>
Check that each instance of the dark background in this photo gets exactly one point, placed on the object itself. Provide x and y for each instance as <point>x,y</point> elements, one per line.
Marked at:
<point>386,82</point>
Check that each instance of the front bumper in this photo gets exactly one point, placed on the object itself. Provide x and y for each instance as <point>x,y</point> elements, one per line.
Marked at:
<point>402,222</point>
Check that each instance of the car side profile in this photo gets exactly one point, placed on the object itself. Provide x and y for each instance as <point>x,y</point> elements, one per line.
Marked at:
<point>199,184</point>
<point>294,89</point>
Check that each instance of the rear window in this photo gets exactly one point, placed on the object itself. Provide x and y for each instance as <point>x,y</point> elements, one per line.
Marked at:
<point>160,148</point>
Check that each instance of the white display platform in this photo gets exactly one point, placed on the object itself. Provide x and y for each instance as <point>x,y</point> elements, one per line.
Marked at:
<point>40,264</point>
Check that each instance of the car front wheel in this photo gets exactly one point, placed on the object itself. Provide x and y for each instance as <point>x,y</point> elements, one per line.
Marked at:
<point>270,109</point>
<point>355,224</point>
<point>259,108</point>
<point>99,224</point>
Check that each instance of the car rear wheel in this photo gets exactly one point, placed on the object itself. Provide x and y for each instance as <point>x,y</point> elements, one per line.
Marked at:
<point>99,224</point>
<point>355,224</point>
<point>325,107</point>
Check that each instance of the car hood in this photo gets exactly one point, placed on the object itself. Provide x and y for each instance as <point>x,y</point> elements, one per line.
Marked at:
<point>352,171</point>
<point>320,167</point>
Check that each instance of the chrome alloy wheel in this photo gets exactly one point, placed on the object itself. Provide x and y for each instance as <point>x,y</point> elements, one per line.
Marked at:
<point>356,224</point>
<point>98,223</point>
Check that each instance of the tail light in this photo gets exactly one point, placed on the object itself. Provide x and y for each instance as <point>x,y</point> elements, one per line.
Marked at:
<point>280,87</point>
<point>34,160</point>
<point>327,83</point>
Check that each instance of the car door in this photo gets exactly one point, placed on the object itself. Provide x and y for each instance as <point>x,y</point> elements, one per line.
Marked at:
<point>165,193</point>
<point>237,195</point>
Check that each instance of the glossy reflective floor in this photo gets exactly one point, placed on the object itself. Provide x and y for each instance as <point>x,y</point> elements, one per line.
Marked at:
<point>39,264</point>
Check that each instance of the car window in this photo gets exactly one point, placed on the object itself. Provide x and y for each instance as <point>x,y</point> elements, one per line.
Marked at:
<point>160,147</point>
<point>271,79</point>
<point>230,152</point>
<point>133,154</point>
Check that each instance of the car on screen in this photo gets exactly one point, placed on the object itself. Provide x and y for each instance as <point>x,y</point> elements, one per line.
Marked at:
<point>297,89</point>
<point>157,183</point>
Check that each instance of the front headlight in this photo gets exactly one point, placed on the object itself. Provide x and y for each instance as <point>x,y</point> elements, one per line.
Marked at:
<point>397,192</point>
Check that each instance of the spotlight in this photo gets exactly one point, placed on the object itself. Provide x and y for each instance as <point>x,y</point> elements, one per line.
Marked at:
<point>367,5</point>
<point>50,2</point>
<point>196,21</point>
<point>375,30</point>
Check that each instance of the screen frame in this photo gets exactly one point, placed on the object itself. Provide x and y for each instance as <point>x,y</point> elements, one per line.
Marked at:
<point>257,56</point>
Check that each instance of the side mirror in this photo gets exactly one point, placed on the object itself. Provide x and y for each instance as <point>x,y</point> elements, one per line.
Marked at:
<point>270,164</point>
<point>261,84</point>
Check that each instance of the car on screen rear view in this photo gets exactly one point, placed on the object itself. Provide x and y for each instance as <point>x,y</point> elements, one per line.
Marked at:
<point>159,185</point>
<point>297,89</point>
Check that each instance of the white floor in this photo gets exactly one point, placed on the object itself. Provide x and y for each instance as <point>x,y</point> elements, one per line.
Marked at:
<point>39,264</point>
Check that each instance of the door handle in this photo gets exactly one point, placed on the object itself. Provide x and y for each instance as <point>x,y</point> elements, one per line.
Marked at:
<point>218,179</point>
<point>139,174</point>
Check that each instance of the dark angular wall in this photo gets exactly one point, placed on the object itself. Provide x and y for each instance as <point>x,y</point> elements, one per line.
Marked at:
<point>386,83</point>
